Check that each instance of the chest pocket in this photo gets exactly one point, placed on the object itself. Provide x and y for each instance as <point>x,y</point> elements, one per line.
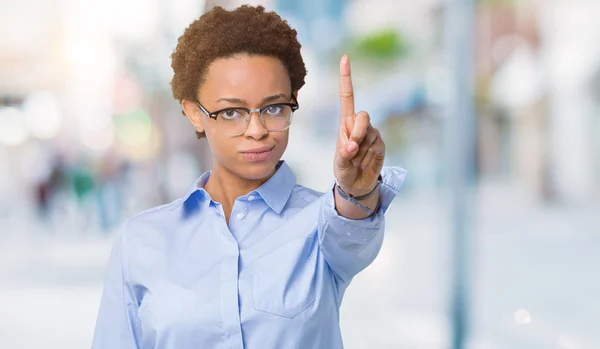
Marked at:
<point>284,279</point>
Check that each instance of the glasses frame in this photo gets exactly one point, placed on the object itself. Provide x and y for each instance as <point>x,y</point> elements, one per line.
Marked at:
<point>213,115</point>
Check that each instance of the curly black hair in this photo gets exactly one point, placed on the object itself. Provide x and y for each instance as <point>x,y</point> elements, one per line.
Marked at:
<point>220,33</point>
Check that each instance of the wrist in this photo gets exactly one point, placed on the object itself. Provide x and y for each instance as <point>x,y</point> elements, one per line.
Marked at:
<point>364,202</point>
<point>354,209</point>
<point>359,193</point>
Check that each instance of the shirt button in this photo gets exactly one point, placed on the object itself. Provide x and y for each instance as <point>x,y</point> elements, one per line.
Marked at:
<point>240,216</point>
<point>251,197</point>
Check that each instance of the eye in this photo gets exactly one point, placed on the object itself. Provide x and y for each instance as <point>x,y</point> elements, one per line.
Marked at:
<point>274,110</point>
<point>230,114</point>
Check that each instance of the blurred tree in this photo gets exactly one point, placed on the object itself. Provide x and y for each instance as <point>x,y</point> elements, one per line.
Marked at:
<point>376,51</point>
<point>383,45</point>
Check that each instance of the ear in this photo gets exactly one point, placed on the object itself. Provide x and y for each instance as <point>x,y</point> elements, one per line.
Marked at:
<point>190,109</point>
<point>295,93</point>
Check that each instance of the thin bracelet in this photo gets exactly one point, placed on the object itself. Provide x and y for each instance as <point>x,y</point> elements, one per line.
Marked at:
<point>354,199</point>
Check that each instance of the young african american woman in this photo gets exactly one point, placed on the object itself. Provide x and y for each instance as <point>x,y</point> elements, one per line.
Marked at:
<point>248,258</point>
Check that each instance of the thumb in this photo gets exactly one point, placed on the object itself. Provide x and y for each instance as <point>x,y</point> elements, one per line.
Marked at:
<point>348,151</point>
<point>351,148</point>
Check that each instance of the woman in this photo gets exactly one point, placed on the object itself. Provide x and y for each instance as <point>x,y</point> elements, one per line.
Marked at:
<point>248,258</point>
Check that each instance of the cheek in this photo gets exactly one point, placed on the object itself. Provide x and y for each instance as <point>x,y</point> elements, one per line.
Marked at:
<point>281,139</point>
<point>284,143</point>
<point>220,146</point>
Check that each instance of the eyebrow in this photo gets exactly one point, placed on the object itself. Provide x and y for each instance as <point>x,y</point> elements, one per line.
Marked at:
<point>244,102</point>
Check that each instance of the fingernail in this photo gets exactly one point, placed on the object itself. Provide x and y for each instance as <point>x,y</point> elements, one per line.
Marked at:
<point>355,163</point>
<point>352,146</point>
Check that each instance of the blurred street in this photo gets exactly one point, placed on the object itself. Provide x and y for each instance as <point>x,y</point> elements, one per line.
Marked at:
<point>90,135</point>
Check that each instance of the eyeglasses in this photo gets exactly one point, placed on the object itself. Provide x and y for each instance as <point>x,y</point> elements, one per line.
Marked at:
<point>233,122</point>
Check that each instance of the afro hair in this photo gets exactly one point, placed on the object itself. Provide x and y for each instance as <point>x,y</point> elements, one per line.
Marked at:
<point>220,33</point>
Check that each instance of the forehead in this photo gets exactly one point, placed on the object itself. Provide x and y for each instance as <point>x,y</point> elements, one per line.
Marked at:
<point>249,77</point>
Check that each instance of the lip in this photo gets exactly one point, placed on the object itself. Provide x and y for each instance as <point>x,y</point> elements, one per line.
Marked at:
<point>258,154</point>
<point>258,150</point>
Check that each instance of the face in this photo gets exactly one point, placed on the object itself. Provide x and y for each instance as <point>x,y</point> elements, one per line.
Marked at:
<point>248,81</point>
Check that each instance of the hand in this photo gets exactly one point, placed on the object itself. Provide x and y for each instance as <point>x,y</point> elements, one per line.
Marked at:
<point>360,151</point>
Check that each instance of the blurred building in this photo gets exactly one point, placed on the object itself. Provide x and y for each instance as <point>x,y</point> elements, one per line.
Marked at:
<point>536,99</point>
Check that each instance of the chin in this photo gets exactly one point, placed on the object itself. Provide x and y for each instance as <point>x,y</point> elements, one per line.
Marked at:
<point>256,170</point>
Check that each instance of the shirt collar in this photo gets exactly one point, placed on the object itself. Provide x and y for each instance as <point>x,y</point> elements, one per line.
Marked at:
<point>196,190</point>
<point>275,191</point>
<point>198,187</point>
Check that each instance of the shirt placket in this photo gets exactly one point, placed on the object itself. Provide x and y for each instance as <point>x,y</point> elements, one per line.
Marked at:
<point>230,311</point>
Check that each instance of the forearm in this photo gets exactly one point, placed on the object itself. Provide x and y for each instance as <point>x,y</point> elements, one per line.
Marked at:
<point>350,239</point>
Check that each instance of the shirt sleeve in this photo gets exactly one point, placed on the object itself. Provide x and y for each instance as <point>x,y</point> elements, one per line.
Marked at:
<point>117,324</point>
<point>348,245</point>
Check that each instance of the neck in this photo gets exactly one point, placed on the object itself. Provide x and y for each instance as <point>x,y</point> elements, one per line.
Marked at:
<point>224,187</point>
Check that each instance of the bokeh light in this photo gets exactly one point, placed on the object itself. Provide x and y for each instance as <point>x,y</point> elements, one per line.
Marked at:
<point>522,317</point>
<point>42,115</point>
<point>13,130</point>
<point>98,140</point>
<point>133,129</point>
<point>137,137</point>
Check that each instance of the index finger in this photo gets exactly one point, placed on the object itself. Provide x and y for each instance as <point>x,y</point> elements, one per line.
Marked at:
<point>346,90</point>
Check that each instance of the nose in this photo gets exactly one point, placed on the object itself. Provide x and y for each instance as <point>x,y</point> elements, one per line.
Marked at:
<point>255,129</point>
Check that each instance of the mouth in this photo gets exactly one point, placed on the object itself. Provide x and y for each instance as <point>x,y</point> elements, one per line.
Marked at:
<point>258,154</point>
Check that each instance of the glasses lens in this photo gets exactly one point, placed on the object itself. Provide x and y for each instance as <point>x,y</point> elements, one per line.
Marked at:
<point>232,122</point>
<point>277,117</point>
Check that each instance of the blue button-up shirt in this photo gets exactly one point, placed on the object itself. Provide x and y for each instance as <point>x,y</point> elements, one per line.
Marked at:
<point>179,277</point>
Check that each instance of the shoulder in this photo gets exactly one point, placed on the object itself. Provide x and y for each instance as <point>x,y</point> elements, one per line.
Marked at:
<point>153,221</point>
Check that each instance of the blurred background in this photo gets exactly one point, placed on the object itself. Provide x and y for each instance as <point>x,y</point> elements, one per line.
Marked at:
<point>90,135</point>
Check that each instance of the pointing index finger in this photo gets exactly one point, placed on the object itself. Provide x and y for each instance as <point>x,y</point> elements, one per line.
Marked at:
<point>346,90</point>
